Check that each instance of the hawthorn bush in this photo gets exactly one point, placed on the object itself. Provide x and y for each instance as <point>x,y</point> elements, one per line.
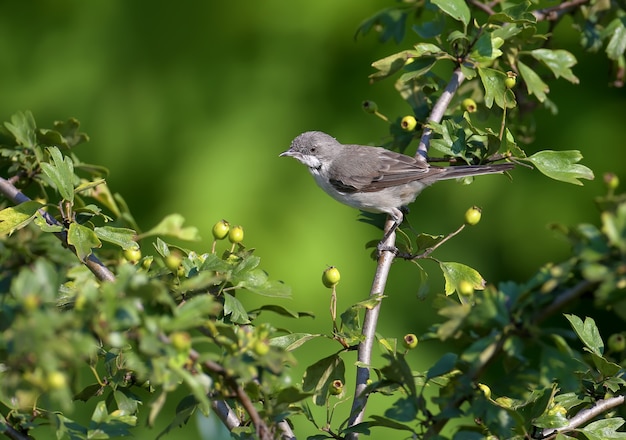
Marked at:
<point>94,308</point>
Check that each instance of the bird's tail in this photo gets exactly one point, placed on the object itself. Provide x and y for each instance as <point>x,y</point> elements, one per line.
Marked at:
<point>456,172</point>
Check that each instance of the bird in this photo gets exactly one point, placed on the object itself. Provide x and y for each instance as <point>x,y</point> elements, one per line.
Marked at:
<point>373,179</point>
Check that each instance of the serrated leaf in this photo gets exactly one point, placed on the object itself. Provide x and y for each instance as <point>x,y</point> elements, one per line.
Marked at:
<point>455,273</point>
<point>60,172</point>
<point>123,237</point>
<point>22,127</point>
<point>558,61</point>
<point>292,341</point>
<point>456,9</point>
<point>605,429</point>
<point>561,165</point>
<point>587,332</point>
<point>83,239</point>
<point>45,226</point>
<point>319,376</point>
<point>172,226</point>
<point>534,83</point>
<point>16,217</point>
<point>617,43</point>
<point>235,310</point>
<point>495,91</point>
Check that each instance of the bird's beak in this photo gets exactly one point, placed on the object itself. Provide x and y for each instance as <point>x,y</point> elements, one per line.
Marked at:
<point>287,153</point>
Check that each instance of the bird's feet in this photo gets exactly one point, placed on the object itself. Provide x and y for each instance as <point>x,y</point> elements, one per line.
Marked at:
<point>382,247</point>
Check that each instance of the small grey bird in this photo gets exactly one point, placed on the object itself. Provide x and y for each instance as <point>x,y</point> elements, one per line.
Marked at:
<point>373,179</point>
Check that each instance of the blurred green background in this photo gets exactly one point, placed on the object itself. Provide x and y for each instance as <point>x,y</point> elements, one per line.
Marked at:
<point>189,104</point>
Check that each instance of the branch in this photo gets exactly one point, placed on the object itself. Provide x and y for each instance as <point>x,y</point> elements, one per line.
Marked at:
<point>369,331</point>
<point>93,264</point>
<point>554,13</point>
<point>11,432</point>
<point>439,109</point>
<point>601,406</point>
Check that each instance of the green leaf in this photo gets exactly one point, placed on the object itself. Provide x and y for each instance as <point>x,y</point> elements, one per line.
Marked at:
<point>172,226</point>
<point>235,310</point>
<point>534,84</point>
<point>455,273</point>
<point>558,61</point>
<point>123,237</point>
<point>605,429</point>
<point>456,9</point>
<point>493,83</point>
<point>292,341</point>
<point>617,42</point>
<point>391,20</point>
<point>22,127</point>
<point>83,239</point>
<point>60,172</point>
<point>319,376</point>
<point>561,165</point>
<point>588,333</point>
<point>400,372</point>
<point>444,365</point>
<point>614,227</point>
<point>16,217</point>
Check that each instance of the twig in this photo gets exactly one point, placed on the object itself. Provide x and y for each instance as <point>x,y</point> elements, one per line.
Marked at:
<point>556,12</point>
<point>601,406</point>
<point>370,320</point>
<point>11,432</point>
<point>439,110</point>
<point>92,262</point>
<point>562,300</point>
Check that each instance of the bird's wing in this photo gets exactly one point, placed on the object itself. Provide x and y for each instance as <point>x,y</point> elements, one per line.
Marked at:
<point>389,170</point>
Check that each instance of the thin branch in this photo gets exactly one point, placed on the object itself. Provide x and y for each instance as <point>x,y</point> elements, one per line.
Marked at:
<point>11,432</point>
<point>370,321</point>
<point>439,110</point>
<point>226,414</point>
<point>601,406</point>
<point>556,12</point>
<point>93,264</point>
<point>562,300</point>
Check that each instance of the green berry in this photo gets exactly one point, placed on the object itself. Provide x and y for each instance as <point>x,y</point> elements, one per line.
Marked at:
<point>611,181</point>
<point>133,255</point>
<point>369,106</point>
<point>469,105</point>
<point>173,261</point>
<point>331,277</point>
<point>336,387</point>
<point>408,123</point>
<point>410,341</point>
<point>510,80</point>
<point>465,288</point>
<point>235,235</point>
<point>181,341</point>
<point>472,216</point>
<point>261,347</point>
<point>617,342</point>
<point>56,380</point>
<point>220,229</point>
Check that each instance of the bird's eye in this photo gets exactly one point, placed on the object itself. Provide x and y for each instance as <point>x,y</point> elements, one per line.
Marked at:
<point>313,149</point>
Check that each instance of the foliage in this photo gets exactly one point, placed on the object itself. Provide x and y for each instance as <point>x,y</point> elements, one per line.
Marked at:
<point>147,316</point>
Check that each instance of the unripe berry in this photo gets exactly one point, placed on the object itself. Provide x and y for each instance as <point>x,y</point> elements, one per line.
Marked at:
<point>235,235</point>
<point>472,216</point>
<point>469,105</point>
<point>173,261</point>
<point>261,347</point>
<point>408,123</point>
<point>510,80</point>
<point>220,229</point>
<point>410,341</point>
<point>369,106</point>
<point>336,387</point>
<point>133,255</point>
<point>466,288</point>
<point>331,277</point>
<point>617,342</point>
<point>181,341</point>
<point>56,380</point>
<point>611,181</point>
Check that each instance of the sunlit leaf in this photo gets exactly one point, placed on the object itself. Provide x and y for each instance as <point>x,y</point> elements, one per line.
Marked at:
<point>123,237</point>
<point>558,61</point>
<point>22,127</point>
<point>456,9</point>
<point>617,43</point>
<point>61,173</point>
<point>455,273</point>
<point>83,239</point>
<point>172,226</point>
<point>16,217</point>
<point>534,84</point>
<point>561,165</point>
<point>587,332</point>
